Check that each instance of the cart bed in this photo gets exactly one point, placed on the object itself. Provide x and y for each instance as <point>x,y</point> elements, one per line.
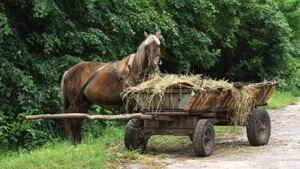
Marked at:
<point>203,100</point>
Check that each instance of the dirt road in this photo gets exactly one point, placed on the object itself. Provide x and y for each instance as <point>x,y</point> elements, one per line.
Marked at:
<point>282,151</point>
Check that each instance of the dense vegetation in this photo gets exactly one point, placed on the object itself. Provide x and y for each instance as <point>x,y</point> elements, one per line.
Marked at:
<point>39,40</point>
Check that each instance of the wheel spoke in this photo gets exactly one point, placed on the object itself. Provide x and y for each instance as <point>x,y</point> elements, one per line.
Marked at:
<point>262,126</point>
<point>206,139</point>
<point>207,136</point>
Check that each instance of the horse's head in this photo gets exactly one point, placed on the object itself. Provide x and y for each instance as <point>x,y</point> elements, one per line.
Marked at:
<point>152,50</point>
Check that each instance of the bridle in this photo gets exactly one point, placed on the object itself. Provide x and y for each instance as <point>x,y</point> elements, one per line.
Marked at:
<point>129,72</point>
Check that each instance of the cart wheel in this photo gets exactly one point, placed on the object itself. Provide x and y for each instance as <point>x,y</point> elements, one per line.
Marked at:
<point>258,127</point>
<point>134,138</point>
<point>204,138</point>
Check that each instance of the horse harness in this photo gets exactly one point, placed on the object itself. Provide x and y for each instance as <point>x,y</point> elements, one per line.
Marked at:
<point>129,72</point>
<point>117,72</point>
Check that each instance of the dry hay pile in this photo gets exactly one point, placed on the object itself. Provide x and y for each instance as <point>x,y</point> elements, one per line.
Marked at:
<point>157,84</point>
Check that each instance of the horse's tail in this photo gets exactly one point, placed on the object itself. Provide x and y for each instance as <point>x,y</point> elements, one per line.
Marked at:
<point>65,100</point>
<point>66,104</point>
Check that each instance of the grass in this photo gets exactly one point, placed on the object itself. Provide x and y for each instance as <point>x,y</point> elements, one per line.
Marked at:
<point>280,99</point>
<point>168,144</point>
<point>92,153</point>
<point>58,155</point>
<point>108,151</point>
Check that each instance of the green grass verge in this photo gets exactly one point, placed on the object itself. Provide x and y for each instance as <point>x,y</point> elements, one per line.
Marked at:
<point>107,151</point>
<point>103,152</point>
<point>59,155</point>
<point>280,99</point>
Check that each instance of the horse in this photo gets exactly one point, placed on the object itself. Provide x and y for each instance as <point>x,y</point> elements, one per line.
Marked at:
<point>100,83</point>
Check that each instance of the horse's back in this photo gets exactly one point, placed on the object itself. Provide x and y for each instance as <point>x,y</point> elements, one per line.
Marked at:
<point>103,89</point>
<point>74,78</point>
<point>81,71</point>
<point>85,67</point>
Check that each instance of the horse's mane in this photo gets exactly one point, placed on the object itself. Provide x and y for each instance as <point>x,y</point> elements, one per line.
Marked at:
<point>140,53</point>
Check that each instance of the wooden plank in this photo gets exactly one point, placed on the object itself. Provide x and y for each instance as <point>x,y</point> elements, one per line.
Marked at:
<point>191,101</point>
<point>90,117</point>
<point>170,113</point>
<point>223,99</point>
<point>208,102</point>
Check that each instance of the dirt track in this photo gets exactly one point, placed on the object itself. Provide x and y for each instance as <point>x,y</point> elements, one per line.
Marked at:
<point>282,151</point>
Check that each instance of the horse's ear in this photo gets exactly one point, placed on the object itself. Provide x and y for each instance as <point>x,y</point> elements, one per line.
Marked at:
<point>146,35</point>
<point>158,33</point>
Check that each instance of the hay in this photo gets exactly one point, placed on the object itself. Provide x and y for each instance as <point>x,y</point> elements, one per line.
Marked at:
<point>157,84</point>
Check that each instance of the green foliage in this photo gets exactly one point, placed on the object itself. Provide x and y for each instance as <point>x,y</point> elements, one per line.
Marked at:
<point>291,10</point>
<point>4,27</point>
<point>291,79</point>
<point>260,45</point>
<point>39,40</point>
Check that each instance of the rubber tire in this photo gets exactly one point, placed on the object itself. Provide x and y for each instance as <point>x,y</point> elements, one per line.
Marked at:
<point>258,127</point>
<point>204,138</point>
<point>134,139</point>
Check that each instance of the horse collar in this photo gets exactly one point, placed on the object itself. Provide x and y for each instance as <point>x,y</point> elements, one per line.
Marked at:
<point>122,78</point>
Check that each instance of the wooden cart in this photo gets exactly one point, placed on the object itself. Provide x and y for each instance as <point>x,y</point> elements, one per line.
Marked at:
<point>194,113</point>
<point>184,111</point>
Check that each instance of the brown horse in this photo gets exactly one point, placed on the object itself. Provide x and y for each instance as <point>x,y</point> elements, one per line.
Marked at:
<point>101,83</point>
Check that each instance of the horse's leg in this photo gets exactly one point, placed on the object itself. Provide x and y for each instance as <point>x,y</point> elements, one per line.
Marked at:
<point>70,125</point>
<point>76,137</point>
<point>73,126</point>
<point>77,123</point>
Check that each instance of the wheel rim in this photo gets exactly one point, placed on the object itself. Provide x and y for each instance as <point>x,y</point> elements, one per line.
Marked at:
<point>140,140</point>
<point>262,127</point>
<point>208,139</point>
